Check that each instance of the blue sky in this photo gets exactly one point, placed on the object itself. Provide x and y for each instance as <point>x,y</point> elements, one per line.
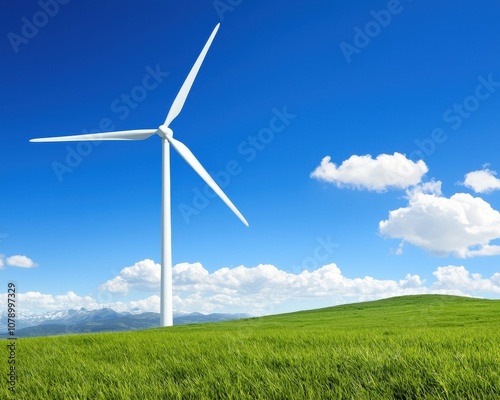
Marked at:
<point>403,96</point>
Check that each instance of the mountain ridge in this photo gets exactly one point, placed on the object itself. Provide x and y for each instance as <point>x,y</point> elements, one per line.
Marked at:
<point>101,320</point>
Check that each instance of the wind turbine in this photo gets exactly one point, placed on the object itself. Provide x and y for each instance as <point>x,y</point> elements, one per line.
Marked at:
<point>167,139</point>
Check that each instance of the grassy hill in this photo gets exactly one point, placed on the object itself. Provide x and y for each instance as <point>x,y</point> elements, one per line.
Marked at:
<point>411,347</point>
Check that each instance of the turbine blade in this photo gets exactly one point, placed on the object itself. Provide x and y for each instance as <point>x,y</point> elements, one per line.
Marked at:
<point>189,157</point>
<point>178,103</point>
<point>138,134</point>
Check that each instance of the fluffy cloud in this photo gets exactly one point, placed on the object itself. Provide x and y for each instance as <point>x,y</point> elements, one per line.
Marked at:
<point>432,187</point>
<point>30,302</point>
<point>149,304</point>
<point>265,289</point>
<point>458,278</point>
<point>21,262</point>
<point>461,225</point>
<point>143,275</point>
<point>379,174</point>
<point>483,181</point>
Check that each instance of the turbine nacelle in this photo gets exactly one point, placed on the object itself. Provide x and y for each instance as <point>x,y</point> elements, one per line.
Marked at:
<point>165,132</point>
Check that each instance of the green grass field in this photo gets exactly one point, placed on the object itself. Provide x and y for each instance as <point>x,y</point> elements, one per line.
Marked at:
<point>412,347</point>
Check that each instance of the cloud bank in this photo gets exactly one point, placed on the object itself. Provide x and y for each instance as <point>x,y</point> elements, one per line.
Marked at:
<point>259,290</point>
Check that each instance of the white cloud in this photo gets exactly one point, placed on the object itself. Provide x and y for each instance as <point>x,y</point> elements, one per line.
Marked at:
<point>432,187</point>
<point>143,275</point>
<point>265,289</point>
<point>483,181</point>
<point>461,225</point>
<point>116,285</point>
<point>379,174</point>
<point>38,303</point>
<point>21,262</point>
<point>30,302</point>
<point>149,304</point>
<point>458,278</point>
<point>399,250</point>
<point>411,281</point>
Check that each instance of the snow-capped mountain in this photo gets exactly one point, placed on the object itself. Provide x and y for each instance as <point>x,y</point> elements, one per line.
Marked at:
<point>105,319</point>
<point>66,317</point>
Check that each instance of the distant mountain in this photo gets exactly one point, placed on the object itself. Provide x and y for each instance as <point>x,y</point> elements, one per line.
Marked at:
<point>103,320</point>
<point>65,317</point>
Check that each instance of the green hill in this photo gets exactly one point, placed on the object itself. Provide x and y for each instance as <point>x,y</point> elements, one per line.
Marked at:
<point>411,347</point>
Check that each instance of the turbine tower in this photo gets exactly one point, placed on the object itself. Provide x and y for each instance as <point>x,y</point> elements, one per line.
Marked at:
<point>167,139</point>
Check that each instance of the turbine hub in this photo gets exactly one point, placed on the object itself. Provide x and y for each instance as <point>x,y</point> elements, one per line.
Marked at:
<point>164,131</point>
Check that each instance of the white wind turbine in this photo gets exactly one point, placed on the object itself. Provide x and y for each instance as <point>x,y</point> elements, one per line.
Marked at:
<point>166,134</point>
